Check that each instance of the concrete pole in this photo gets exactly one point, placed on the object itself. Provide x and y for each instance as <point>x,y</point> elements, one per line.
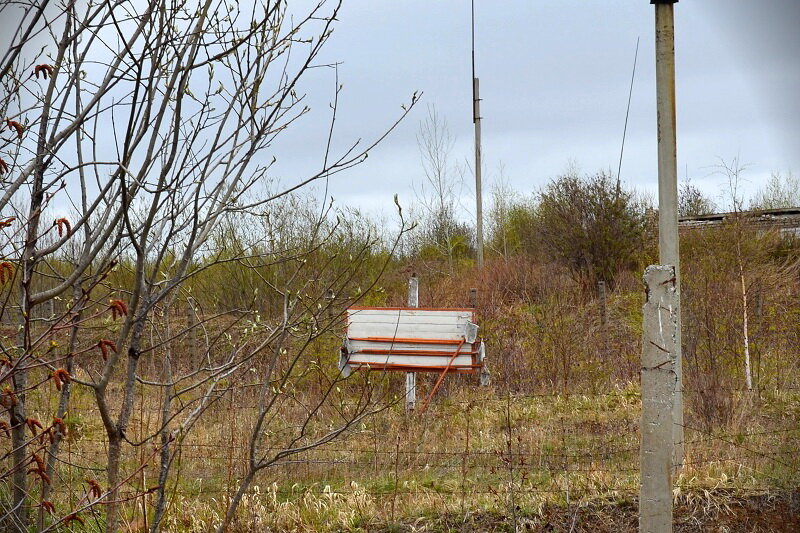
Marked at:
<point>659,361</point>
<point>668,185</point>
<point>411,377</point>
<point>476,118</point>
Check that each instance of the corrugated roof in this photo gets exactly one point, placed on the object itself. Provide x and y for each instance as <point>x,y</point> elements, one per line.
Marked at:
<point>780,218</point>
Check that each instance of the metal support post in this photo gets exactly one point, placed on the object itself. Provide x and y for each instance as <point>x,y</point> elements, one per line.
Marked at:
<point>411,377</point>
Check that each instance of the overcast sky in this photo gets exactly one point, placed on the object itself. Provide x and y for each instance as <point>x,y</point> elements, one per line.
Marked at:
<point>555,76</point>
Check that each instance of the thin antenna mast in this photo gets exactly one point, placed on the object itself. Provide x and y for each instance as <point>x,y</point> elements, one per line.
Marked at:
<point>627,112</point>
<point>473,55</point>
<point>476,119</point>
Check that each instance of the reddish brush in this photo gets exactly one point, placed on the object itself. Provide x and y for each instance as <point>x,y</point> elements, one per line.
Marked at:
<point>3,167</point>
<point>60,426</point>
<point>41,473</point>
<point>43,69</point>
<point>32,424</point>
<point>118,307</point>
<point>6,272</point>
<point>7,222</point>
<point>9,398</point>
<point>49,435</point>
<point>104,345</point>
<point>39,461</point>
<point>14,125</point>
<point>94,488</point>
<point>39,469</point>
<point>74,516</point>
<point>62,223</point>
<point>60,376</point>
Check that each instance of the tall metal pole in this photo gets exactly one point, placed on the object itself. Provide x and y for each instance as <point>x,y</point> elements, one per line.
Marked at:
<point>668,185</point>
<point>476,119</point>
<point>478,189</point>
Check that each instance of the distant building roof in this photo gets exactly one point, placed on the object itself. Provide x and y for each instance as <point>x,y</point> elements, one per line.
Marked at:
<point>786,220</point>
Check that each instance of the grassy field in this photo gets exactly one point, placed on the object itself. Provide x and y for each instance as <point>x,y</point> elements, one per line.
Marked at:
<point>479,459</point>
<point>553,445</point>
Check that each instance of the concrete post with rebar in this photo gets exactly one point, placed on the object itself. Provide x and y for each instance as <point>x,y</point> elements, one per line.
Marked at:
<point>668,184</point>
<point>659,362</point>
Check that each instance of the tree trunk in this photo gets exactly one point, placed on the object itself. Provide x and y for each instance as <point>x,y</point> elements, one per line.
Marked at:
<point>248,479</point>
<point>166,456</point>
<point>63,405</point>
<point>114,453</point>
<point>20,454</point>
<point>116,433</point>
<point>748,378</point>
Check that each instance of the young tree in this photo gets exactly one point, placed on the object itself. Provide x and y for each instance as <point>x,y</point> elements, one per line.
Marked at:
<point>733,170</point>
<point>311,395</point>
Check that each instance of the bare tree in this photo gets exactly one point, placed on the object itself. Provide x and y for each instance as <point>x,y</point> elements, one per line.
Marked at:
<point>285,384</point>
<point>503,199</point>
<point>144,126</point>
<point>438,194</point>
<point>692,201</point>
<point>781,191</point>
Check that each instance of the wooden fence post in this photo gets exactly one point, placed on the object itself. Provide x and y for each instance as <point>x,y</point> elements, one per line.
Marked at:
<point>601,296</point>
<point>659,382</point>
<point>411,377</point>
<point>191,324</point>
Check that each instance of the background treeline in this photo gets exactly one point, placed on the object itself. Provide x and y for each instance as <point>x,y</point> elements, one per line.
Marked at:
<point>551,254</point>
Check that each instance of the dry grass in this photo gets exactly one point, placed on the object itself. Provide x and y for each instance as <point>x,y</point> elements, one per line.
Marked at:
<point>559,452</point>
<point>478,459</point>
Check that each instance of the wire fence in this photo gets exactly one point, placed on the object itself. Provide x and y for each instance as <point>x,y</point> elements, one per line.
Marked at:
<point>506,454</point>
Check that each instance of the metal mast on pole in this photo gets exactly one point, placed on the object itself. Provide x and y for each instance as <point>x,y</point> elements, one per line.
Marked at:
<point>476,119</point>
<point>668,186</point>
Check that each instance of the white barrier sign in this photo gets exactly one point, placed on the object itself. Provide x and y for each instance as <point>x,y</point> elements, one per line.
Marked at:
<point>411,340</point>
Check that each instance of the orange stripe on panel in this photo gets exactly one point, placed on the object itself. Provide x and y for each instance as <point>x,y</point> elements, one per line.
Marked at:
<point>410,341</point>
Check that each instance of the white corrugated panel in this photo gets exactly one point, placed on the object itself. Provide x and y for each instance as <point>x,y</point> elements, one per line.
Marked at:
<point>410,339</point>
<point>443,324</point>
